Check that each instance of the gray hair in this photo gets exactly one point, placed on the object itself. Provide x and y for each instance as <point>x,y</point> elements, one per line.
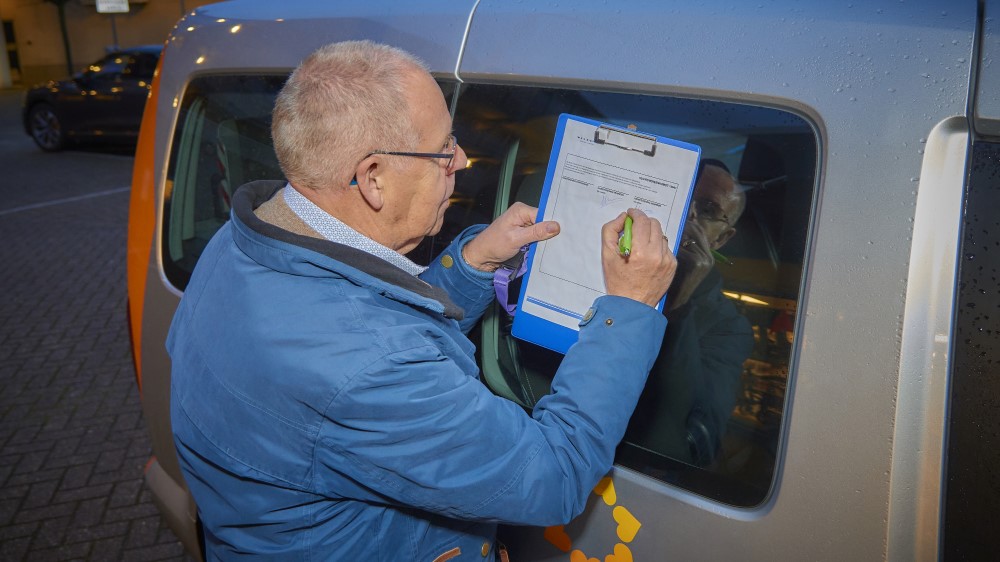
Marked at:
<point>342,102</point>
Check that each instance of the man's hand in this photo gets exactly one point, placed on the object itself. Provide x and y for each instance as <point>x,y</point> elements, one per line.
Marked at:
<point>695,257</point>
<point>505,237</point>
<point>648,270</point>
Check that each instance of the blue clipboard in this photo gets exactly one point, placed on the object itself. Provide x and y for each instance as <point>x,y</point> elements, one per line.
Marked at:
<point>548,322</point>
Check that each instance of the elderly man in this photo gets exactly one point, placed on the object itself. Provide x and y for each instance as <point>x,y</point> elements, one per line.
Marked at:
<point>325,400</point>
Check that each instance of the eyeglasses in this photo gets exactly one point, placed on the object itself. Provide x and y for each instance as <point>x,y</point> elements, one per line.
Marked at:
<point>710,210</point>
<point>449,150</point>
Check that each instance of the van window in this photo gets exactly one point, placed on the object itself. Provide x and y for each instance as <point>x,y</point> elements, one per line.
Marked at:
<point>222,140</point>
<point>710,415</point>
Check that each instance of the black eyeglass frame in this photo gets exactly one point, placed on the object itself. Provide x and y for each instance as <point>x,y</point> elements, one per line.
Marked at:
<point>449,155</point>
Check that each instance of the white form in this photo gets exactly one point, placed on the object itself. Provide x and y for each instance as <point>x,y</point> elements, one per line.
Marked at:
<point>592,183</point>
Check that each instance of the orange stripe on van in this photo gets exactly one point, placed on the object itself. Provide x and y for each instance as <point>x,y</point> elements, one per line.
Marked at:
<point>142,220</point>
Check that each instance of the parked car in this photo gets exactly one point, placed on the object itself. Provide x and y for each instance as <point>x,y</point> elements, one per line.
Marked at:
<point>104,101</point>
<point>866,137</point>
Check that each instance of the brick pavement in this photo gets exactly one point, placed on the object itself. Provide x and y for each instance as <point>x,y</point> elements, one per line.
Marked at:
<point>72,440</point>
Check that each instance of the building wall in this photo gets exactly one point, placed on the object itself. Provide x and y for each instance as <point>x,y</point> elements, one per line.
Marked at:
<point>38,38</point>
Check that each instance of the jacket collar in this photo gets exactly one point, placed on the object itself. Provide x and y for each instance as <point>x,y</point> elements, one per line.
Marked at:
<point>298,254</point>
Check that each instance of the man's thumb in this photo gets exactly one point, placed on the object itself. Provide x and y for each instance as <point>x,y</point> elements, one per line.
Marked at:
<point>545,230</point>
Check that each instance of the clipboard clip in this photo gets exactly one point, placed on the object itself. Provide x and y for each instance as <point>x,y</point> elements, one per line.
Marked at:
<point>624,139</point>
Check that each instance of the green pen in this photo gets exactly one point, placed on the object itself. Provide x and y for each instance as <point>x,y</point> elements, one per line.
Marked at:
<point>625,239</point>
<point>721,258</point>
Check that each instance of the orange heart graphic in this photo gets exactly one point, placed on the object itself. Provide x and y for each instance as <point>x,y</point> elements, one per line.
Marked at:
<point>622,554</point>
<point>628,525</point>
<point>558,537</point>
<point>606,489</point>
<point>579,556</point>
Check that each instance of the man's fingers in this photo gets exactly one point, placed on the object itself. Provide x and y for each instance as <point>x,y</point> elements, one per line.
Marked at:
<point>522,213</point>
<point>611,230</point>
<point>655,231</point>
<point>536,232</point>
<point>646,231</point>
<point>640,226</point>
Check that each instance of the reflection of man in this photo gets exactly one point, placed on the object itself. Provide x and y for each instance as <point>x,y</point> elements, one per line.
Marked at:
<point>694,385</point>
<point>325,400</point>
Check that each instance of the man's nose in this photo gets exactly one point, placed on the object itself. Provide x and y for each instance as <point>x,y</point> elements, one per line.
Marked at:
<point>461,160</point>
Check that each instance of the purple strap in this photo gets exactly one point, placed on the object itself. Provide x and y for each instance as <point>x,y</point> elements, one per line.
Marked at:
<point>507,272</point>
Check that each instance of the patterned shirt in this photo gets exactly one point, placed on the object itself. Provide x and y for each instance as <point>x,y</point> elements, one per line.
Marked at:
<point>334,230</point>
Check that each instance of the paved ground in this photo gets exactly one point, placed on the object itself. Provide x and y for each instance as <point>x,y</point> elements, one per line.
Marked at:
<point>72,440</point>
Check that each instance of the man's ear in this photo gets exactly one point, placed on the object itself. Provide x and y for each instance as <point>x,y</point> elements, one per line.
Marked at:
<point>724,237</point>
<point>368,175</point>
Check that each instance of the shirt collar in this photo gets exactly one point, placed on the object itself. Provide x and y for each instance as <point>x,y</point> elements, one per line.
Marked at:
<point>334,230</point>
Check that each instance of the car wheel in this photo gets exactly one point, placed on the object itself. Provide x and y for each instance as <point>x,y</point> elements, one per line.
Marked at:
<point>45,128</point>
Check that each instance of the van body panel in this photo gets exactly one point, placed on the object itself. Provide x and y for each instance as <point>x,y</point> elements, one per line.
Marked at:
<point>142,221</point>
<point>852,69</point>
<point>987,108</point>
<point>915,482</point>
<point>433,31</point>
<point>176,505</point>
<point>160,304</point>
<point>884,86</point>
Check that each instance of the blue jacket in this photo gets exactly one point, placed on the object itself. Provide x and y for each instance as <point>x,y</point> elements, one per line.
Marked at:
<point>327,405</point>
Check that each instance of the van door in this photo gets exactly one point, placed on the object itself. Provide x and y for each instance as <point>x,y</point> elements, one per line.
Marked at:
<point>825,114</point>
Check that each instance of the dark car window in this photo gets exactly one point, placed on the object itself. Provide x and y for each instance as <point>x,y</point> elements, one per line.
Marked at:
<point>110,66</point>
<point>141,67</point>
<point>709,419</point>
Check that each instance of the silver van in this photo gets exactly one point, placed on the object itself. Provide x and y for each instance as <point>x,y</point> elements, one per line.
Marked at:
<point>854,418</point>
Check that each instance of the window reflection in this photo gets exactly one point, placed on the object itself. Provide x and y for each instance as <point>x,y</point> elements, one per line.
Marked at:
<point>710,415</point>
